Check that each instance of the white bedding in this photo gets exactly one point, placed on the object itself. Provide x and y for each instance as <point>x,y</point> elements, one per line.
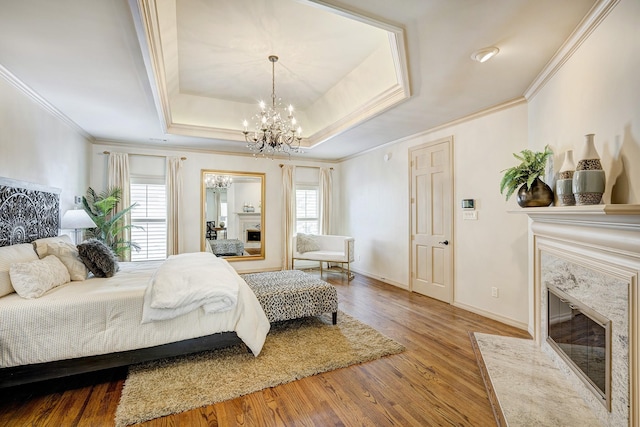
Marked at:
<point>99,316</point>
<point>187,282</point>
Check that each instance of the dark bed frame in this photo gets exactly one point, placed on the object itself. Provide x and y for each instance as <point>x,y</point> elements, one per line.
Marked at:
<point>39,208</point>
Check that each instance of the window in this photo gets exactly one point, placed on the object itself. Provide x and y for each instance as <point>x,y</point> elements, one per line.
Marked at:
<point>150,213</point>
<point>307,209</point>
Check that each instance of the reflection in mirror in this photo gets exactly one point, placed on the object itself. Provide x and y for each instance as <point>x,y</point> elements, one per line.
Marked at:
<point>232,214</point>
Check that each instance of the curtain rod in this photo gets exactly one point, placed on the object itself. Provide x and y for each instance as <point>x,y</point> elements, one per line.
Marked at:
<point>148,155</point>
<point>317,167</point>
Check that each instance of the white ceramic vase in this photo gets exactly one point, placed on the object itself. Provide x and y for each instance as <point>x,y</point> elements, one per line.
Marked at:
<point>589,179</point>
<point>564,184</point>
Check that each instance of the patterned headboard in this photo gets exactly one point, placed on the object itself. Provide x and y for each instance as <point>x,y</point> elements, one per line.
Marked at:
<point>27,211</point>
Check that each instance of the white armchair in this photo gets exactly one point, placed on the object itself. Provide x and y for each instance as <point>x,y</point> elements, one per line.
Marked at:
<point>325,248</point>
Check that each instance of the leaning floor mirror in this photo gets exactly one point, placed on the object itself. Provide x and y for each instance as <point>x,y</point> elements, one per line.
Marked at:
<point>232,212</point>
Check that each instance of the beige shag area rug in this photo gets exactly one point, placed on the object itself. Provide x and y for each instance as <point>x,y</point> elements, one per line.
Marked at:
<point>294,349</point>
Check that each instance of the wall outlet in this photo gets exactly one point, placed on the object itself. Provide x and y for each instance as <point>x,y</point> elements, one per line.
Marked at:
<point>494,292</point>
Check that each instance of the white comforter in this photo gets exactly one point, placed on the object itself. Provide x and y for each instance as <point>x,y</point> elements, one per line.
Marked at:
<point>186,282</point>
<point>99,316</point>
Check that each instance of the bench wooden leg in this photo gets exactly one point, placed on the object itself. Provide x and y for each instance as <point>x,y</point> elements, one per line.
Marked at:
<point>334,317</point>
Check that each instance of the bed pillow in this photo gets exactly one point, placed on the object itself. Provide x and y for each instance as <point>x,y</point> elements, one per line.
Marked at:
<point>33,278</point>
<point>98,257</point>
<point>9,255</point>
<point>40,245</point>
<point>306,243</point>
<point>68,254</point>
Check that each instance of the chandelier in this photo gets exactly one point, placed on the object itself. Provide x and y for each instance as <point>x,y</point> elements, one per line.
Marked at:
<point>275,127</point>
<point>217,181</point>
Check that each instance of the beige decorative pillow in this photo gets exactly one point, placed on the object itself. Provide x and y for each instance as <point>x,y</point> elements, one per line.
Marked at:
<point>40,245</point>
<point>34,278</point>
<point>9,255</point>
<point>306,243</point>
<point>68,254</point>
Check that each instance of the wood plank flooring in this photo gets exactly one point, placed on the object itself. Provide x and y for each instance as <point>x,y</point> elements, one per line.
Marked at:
<point>435,382</point>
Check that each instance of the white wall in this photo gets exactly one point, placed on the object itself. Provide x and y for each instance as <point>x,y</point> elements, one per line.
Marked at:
<point>491,251</point>
<point>598,91</point>
<point>196,161</point>
<point>38,147</point>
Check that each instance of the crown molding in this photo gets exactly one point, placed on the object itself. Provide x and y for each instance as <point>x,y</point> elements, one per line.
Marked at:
<point>43,103</point>
<point>503,106</point>
<point>387,99</point>
<point>590,22</point>
<point>147,25</point>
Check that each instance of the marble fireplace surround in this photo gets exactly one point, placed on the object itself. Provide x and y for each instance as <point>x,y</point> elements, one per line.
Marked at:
<point>592,253</point>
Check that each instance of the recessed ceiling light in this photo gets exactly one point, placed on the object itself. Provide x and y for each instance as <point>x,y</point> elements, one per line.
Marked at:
<point>484,54</point>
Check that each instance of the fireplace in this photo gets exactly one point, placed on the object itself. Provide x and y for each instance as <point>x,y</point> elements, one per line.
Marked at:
<point>586,271</point>
<point>253,235</point>
<point>582,338</point>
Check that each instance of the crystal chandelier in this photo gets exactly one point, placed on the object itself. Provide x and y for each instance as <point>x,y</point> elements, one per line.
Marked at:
<point>275,127</point>
<point>217,181</point>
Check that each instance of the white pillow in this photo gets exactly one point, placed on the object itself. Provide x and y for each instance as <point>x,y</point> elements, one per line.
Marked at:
<point>34,278</point>
<point>40,245</point>
<point>9,255</point>
<point>68,254</point>
<point>306,243</point>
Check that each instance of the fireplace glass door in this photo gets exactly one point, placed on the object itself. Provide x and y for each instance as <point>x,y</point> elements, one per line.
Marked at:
<point>581,337</point>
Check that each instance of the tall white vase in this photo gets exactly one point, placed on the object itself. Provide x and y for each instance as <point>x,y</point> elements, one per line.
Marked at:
<point>589,178</point>
<point>564,184</point>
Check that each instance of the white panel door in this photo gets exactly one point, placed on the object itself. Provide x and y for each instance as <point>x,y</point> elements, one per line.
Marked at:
<point>432,220</point>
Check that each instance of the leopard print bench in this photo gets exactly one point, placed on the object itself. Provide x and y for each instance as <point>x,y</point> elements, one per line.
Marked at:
<point>291,294</point>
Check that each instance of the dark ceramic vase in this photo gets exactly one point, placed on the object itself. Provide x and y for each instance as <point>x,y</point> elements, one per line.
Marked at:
<point>539,195</point>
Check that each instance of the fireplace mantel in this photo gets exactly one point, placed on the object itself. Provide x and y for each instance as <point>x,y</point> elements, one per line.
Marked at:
<point>619,215</point>
<point>604,240</point>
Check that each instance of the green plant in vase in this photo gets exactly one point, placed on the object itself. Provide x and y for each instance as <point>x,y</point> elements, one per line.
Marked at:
<point>110,224</point>
<point>525,178</point>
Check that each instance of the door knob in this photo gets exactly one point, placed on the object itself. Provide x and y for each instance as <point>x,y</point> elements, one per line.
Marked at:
<point>446,242</point>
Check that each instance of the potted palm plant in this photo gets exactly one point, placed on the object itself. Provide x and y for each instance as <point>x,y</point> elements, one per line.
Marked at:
<point>110,224</point>
<point>525,177</point>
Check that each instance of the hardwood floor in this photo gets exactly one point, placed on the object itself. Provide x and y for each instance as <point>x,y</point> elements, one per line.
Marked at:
<point>435,382</point>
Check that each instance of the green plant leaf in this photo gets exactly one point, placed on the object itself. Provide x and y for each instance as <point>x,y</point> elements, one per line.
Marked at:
<point>532,166</point>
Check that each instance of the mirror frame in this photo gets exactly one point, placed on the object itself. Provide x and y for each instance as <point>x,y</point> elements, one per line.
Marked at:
<point>203,211</point>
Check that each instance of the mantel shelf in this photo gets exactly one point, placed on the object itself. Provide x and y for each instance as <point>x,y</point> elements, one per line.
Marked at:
<point>619,214</point>
<point>614,209</point>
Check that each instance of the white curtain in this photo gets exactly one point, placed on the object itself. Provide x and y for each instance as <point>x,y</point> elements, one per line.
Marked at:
<point>218,206</point>
<point>326,186</point>
<point>118,176</point>
<point>174,201</point>
<point>288,215</point>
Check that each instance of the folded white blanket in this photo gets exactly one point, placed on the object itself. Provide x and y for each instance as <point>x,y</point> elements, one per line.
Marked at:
<point>188,281</point>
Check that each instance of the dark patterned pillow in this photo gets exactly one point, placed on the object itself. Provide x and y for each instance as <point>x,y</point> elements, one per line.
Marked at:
<point>98,257</point>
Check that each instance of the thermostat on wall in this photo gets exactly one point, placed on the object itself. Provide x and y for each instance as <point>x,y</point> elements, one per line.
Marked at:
<point>468,204</point>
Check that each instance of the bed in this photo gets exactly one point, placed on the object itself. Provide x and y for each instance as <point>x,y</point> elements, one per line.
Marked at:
<point>98,323</point>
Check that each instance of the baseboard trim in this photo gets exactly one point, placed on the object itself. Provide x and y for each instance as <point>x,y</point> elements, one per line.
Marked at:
<point>380,278</point>
<point>492,316</point>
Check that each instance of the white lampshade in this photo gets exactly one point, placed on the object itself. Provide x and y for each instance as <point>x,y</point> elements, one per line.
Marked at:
<point>76,219</point>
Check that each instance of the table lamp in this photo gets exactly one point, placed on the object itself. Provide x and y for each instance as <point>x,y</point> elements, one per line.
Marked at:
<point>77,219</point>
